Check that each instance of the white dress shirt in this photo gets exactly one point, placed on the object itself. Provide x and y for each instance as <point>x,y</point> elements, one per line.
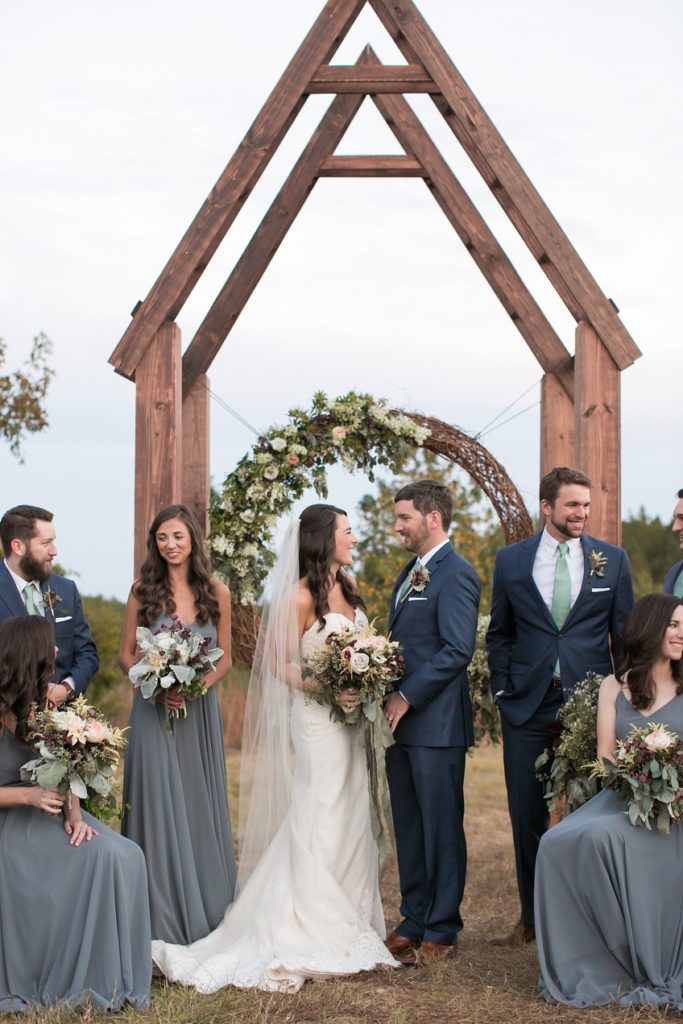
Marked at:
<point>546,561</point>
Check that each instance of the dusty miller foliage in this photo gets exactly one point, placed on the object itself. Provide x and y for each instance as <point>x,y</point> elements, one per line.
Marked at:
<point>23,393</point>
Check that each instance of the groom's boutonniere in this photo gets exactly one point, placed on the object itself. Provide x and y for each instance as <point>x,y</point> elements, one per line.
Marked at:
<point>51,599</point>
<point>419,578</point>
<point>596,562</point>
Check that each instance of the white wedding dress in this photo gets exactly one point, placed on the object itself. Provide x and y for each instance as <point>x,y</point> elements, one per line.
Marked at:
<point>311,907</point>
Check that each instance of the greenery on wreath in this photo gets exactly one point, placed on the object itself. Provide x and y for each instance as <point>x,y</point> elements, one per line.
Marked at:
<point>565,768</point>
<point>357,430</point>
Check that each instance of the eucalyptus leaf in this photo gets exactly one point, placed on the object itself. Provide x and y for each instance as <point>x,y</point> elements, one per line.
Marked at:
<point>50,775</point>
<point>78,786</point>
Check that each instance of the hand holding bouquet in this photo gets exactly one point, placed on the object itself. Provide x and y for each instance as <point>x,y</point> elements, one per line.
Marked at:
<point>173,656</point>
<point>355,658</point>
<point>79,753</point>
<point>648,773</point>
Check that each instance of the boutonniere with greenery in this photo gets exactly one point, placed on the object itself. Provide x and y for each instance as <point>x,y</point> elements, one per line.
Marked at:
<point>419,578</point>
<point>51,599</point>
<point>596,562</point>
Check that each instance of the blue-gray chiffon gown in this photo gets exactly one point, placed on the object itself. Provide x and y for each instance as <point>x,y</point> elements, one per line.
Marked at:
<point>176,808</point>
<point>74,921</point>
<point>609,899</point>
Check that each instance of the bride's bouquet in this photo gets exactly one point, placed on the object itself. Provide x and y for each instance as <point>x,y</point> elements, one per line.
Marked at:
<point>79,754</point>
<point>355,658</point>
<point>176,656</point>
<point>648,774</point>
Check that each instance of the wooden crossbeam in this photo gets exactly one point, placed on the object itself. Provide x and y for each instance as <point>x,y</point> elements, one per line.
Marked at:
<point>192,255</point>
<point>505,177</point>
<point>336,78</point>
<point>265,242</point>
<point>371,167</point>
<point>478,239</point>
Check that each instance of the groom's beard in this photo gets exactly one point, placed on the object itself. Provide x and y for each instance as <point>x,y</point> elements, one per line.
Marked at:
<point>413,541</point>
<point>32,569</point>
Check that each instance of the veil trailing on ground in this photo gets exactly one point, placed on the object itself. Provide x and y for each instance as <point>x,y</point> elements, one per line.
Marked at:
<point>267,763</point>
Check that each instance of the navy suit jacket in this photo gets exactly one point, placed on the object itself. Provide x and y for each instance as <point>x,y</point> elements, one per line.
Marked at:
<point>523,641</point>
<point>437,628</point>
<point>671,577</point>
<point>76,651</point>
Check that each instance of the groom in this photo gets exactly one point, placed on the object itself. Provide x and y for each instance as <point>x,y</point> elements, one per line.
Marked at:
<point>433,614</point>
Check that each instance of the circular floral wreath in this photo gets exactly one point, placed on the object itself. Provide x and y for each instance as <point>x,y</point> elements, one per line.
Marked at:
<point>356,430</point>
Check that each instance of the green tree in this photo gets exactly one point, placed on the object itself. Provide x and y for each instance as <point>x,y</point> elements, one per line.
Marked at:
<point>23,393</point>
<point>105,618</point>
<point>474,531</point>
<point>652,549</point>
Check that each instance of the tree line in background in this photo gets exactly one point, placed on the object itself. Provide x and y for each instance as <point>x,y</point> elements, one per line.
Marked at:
<point>651,546</point>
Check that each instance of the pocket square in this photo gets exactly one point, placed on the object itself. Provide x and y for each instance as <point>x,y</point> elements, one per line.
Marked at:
<point>63,618</point>
<point>600,590</point>
<point>418,598</point>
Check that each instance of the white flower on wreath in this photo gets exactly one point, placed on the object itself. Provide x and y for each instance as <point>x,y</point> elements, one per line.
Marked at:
<point>278,444</point>
<point>247,516</point>
<point>270,472</point>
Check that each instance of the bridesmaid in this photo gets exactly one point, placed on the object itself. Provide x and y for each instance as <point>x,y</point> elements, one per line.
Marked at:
<point>175,787</point>
<point>74,915</point>
<point>608,895</point>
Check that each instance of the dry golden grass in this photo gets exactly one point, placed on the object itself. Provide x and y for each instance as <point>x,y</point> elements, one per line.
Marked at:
<point>483,985</point>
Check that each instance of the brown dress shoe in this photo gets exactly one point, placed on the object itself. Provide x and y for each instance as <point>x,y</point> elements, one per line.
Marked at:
<point>519,936</point>
<point>398,944</point>
<point>429,953</point>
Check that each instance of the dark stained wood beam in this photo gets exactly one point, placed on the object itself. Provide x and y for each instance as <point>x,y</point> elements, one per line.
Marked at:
<point>506,178</point>
<point>371,167</point>
<point>251,266</point>
<point>337,78</point>
<point>478,239</point>
<point>207,230</point>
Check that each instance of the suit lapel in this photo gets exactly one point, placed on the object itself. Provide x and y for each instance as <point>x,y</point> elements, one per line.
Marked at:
<point>396,608</point>
<point>527,557</point>
<point>9,594</point>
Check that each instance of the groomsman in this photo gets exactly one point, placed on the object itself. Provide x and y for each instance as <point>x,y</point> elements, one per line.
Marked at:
<point>29,587</point>
<point>433,614</point>
<point>673,584</point>
<point>560,600</point>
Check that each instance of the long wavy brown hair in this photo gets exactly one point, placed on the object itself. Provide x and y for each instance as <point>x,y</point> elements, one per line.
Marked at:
<point>153,589</point>
<point>642,641</point>
<point>317,526</point>
<point>27,665</point>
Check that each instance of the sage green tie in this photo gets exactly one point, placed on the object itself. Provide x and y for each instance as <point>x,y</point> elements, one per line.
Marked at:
<point>408,582</point>
<point>562,592</point>
<point>30,599</point>
<point>678,585</point>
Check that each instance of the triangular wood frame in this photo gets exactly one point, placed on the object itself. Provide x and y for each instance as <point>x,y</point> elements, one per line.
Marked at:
<point>603,345</point>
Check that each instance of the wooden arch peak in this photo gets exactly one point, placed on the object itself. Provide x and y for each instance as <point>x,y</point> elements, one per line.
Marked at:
<point>580,417</point>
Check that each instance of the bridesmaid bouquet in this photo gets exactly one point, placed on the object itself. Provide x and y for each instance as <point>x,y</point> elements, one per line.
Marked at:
<point>79,754</point>
<point>176,656</point>
<point>355,658</point>
<point>648,773</point>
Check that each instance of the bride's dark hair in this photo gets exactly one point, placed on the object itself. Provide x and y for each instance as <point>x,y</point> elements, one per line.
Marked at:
<point>27,665</point>
<point>642,641</point>
<point>153,589</point>
<point>317,526</point>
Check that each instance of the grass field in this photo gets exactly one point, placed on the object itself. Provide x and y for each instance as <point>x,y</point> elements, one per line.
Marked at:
<point>483,985</point>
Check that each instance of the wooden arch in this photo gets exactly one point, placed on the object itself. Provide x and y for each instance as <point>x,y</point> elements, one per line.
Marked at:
<point>580,396</point>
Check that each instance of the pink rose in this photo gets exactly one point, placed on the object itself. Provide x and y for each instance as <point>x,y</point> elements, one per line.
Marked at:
<point>658,739</point>
<point>339,433</point>
<point>346,653</point>
<point>293,460</point>
<point>97,732</point>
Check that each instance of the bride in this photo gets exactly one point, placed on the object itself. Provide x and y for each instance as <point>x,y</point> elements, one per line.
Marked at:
<point>308,904</point>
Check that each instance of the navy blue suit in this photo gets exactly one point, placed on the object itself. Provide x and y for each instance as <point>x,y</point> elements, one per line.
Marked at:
<point>524,644</point>
<point>76,651</point>
<point>426,766</point>
<point>671,577</point>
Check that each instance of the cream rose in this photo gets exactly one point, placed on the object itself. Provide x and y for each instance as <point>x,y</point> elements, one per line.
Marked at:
<point>360,662</point>
<point>658,739</point>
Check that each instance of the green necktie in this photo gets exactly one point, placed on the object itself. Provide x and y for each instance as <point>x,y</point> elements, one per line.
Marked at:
<point>408,582</point>
<point>30,600</point>
<point>678,585</point>
<point>562,590</point>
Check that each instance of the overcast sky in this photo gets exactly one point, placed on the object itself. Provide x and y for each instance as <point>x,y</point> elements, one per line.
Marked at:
<point>119,118</point>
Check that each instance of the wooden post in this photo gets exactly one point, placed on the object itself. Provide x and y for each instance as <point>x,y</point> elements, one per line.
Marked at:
<point>598,431</point>
<point>158,432</point>
<point>557,425</point>
<point>195,488</point>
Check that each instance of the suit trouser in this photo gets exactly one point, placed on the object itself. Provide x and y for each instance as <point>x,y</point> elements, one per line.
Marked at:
<point>427,803</point>
<point>522,744</point>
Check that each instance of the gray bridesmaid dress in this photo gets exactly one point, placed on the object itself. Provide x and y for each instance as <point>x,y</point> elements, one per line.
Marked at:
<point>176,808</point>
<point>74,921</point>
<point>609,899</point>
